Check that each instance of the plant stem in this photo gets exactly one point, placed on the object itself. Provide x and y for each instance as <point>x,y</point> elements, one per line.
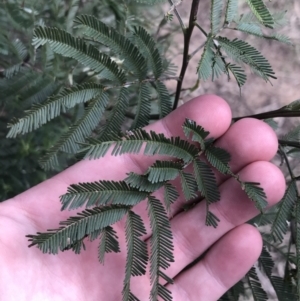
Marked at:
<point>185,60</point>
<point>271,114</point>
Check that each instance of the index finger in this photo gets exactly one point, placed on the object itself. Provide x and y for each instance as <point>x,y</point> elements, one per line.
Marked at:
<point>41,203</point>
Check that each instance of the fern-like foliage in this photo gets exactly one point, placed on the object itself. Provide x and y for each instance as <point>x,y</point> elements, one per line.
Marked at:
<point>262,13</point>
<point>257,291</point>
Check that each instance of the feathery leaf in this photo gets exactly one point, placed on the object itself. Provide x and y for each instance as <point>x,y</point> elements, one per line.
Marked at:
<point>170,195</point>
<point>257,291</point>
<point>97,30</point>
<point>238,74</point>
<point>65,44</point>
<point>204,69</point>
<point>218,158</point>
<point>164,99</point>
<point>162,171</point>
<point>189,185</point>
<point>77,227</point>
<point>231,11</point>
<point>101,193</point>
<point>261,12</point>
<point>256,194</point>
<point>215,16</point>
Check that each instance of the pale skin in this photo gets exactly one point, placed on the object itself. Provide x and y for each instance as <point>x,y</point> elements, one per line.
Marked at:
<point>28,274</point>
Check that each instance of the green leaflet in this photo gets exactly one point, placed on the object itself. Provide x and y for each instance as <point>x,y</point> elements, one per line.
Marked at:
<point>137,254</point>
<point>116,117</point>
<point>189,185</point>
<point>108,242</point>
<point>204,69</point>
<point>283,215</point>
<point>161,248</point>
<point>241,51</point>
<point>65,44</point>
<point>40,114</point>
<point>78,132</point>
<point>198,133</point>
<point>261,12</point>
<point>218,158</point>
<point>162,171</point>
<point>255,286</point>
<point>256,194</point>
<point>238,74</point>
<point>148,47</point>
<point>164,99</point>
<point>143,110</point>
<point>76,228</point>
<point>215,15</point>
<point>97,30</point>
<point>101,193</point>
<point>231,11</point>
<point>170,196</point>
<point>218,66</point>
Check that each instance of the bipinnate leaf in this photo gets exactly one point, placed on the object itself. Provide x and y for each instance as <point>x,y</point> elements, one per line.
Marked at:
<point>161,249</point>
<point>284,212</point>
<point>170,196</point>
<point>77,227</point>
<point>256,194</point>
<point>218,158</point>
<point>65,44</point>
<point>137,254</point>
<point>261,12</point>
<point>101,193</point>
<point>108,243</point>
<point>190,128</point>
<point>142,183</point>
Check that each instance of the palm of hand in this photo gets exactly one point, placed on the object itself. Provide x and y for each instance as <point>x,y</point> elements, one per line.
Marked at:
<point>27,274</point>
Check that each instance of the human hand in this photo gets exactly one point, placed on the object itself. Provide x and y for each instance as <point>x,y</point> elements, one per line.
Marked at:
<point>28,274</point>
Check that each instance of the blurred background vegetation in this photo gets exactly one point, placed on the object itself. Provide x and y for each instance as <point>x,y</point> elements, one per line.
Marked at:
<point>23,72</point>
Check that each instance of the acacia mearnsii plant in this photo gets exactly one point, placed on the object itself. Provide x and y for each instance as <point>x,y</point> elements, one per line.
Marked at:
<point>100,68</point>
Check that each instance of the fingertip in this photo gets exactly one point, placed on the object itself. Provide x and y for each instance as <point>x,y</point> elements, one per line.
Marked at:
<point>210,111</point>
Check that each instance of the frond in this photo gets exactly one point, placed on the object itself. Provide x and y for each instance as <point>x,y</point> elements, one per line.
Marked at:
<point>154,144</point>
<point>198,133</point>
<point>189,185</point>
<point>170,195</point>
<point>161,248</point>
<point>218,158</point>
<point>101,193</point>
<point>164,99</point>
<point>206,181</point>
<point>255,285</point>
<point>77,227</point>
<point>215,16</point>
<point>162,171</point>
<point>241,51</point>
<point>280,38</point>
<point>100,32</point>
<point>143,110</point>
<point>65,44</point>
<point>142,183</point>
<point>231,11</point>
<point>283,215</point>
<point>108,243</point>
<point>148,47</point>
<point>261,12</point>
<point>74,6</point>
<point>204,69</point>
<point>116,117</point>
<point>256,194</point>
<point>238,74</point>
<point>137,254</point>
<point>78,132</point>
<point>40,114</point>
